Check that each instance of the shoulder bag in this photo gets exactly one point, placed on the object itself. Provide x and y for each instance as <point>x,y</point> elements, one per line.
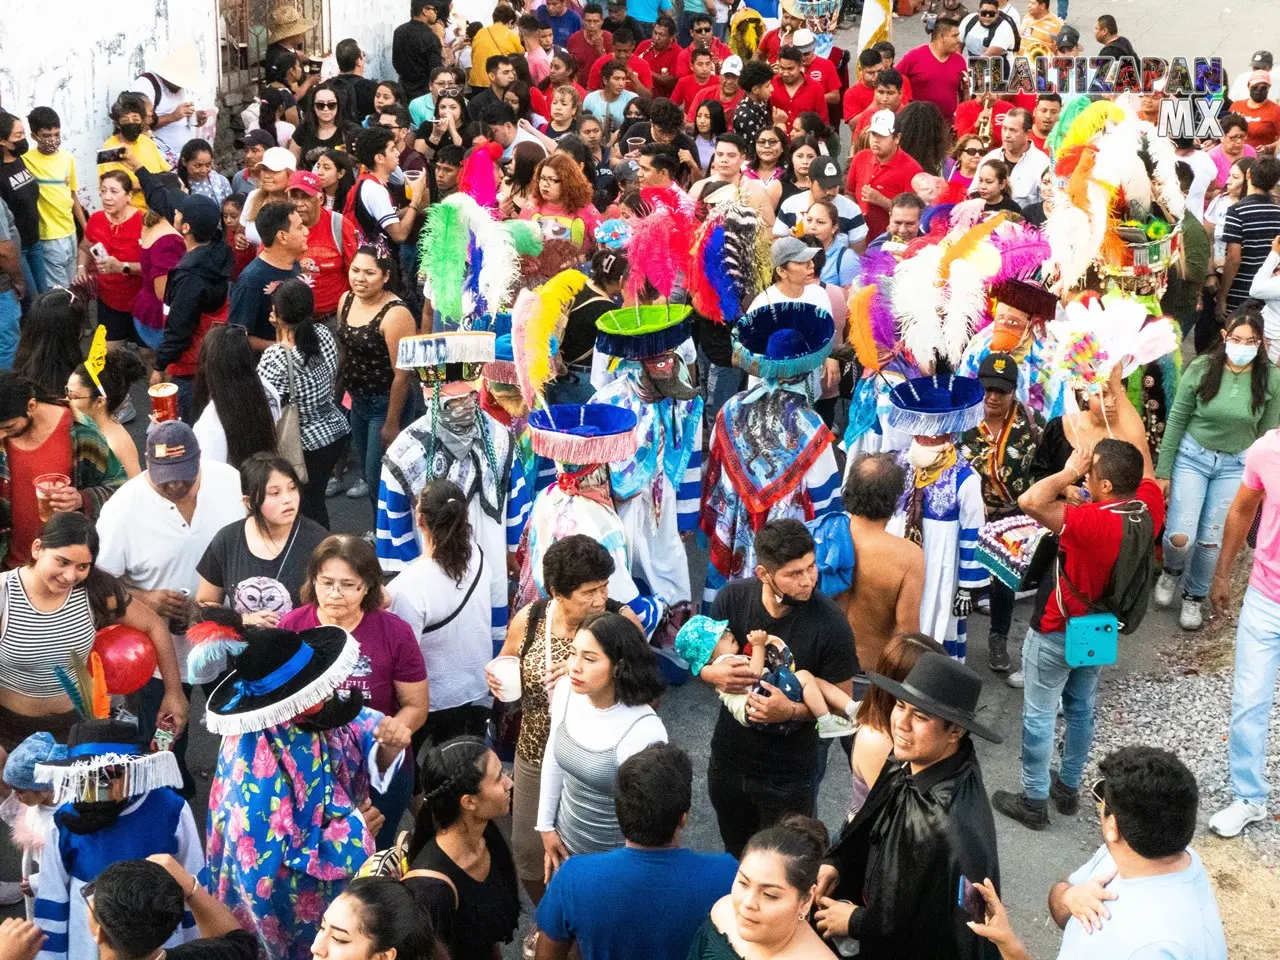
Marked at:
<point>288,427</point>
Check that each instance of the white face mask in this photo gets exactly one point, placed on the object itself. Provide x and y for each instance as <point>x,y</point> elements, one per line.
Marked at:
<point>1240,354</point>
<point>923,457</point>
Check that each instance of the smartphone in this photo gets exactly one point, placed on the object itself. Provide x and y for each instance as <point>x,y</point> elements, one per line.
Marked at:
<point>970,901</point>
<point>98,251</point>
<point>115,155</point>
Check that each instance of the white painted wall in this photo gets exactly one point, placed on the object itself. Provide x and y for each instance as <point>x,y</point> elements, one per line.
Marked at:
<point>77,55</point>
<point>371,23</point>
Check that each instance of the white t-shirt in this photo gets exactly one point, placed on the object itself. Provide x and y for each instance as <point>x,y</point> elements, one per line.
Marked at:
<point>1204,171</point>
<point>146,542</point>
<point>456,653</point>
<point>1216,213</point>
<point>522,136</point>
<point>213,438</point>
<point>376,201</point>
<point>174,135</point>
<point>1024,176</point>
<point>1169,917</point>
<point>1005,35</point>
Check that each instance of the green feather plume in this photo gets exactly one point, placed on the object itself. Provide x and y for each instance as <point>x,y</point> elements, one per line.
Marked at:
<point>443,248</point>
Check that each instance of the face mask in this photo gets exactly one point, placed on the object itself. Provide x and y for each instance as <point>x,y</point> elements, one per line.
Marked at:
<point>20,147</point>
<point>786,599</point>
<point>923,457</point>
<point>1240,354</point>
<point>49,147</point>
<point>338,711</point>
<point>130,131</point>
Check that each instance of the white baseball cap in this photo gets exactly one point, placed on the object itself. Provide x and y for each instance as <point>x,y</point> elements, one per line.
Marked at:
<point>278,158</point>
<point>882,123</point>
<point>732,65</point>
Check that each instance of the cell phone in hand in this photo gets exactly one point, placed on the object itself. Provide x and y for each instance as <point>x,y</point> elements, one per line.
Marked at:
<point>114,155</point>
<point>98,251</point>
<point>970,901</point>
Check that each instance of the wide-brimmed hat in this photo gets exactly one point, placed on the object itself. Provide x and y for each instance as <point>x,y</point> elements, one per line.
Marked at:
<point>1031,298</point>
<point>782,341</point>
<point>279,675</point>
<point>181,67</point>
<point>937,405</point>
<point>95,746</point>
<point>641,332</point>
<point>502,368</point>
<point>448,356</point>
<point>287,21</point>
<point>941,687</point>
<point>583,433</point>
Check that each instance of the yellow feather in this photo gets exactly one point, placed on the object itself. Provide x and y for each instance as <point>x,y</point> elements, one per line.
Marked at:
<point>967,244</point>
<point>1092,120</point>
<point>864,344</point>
<point>541,319</point>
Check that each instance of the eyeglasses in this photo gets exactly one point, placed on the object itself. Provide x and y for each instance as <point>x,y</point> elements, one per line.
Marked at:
<point>972,151</point>
<point>451,92</point>
<point>1242,343</point>
<point>544,178</point>
<point>326,104</point>
<point>769,142</point>
<point>86,396</point>
<point>344,587</point>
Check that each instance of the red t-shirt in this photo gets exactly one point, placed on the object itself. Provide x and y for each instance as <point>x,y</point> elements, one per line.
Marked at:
<point>242,257</point>
<point>856,99</point>
<point>1263,119</point>
<point>1038,140</point>
<point>823,72</point>
<point>1090,542</point>
<point>770,44</point>
<point>123,241</point>
<point>938,82</point>
<point>584,54</point>
<point>662,63</point>
<point>329,273</point>
<point>890,179</point>
<point>689,93</point>
<point>807,98</point>
<point>966,118</point>
<point>635,63</point>
<point>52,456</point>
<point>719,53</point>
<point>729,105</point>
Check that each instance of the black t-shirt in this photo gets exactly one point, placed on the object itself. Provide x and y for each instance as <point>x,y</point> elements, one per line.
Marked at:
<point>308,140</point>
<point>1117,48</point>
<point>236,945</point>
<point>250,302</point>
<point>714,340</point>
<point>251,583</point>
<point>820,641</point>
<point>580,329</point>
<point>21,192</point>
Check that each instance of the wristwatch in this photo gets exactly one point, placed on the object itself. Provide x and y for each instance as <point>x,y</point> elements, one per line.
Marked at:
<point>124,268</point>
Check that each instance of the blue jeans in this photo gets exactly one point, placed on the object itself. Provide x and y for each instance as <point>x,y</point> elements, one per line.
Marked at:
<point>10,315</point>
<point>1204,484</point>
<point>368,414</point>
<point>1049,681</point>
<point>33,273</point>
<point>394,802</point>
<point>1252,694</point>
<point>718,385</point>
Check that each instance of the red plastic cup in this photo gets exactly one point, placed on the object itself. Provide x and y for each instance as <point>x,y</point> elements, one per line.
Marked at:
<point>164,401</point>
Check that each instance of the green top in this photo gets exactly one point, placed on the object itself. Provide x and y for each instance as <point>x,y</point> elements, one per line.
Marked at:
<point>1227,423</point>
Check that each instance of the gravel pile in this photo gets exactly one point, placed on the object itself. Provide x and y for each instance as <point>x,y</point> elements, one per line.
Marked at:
<point>1188,713</point>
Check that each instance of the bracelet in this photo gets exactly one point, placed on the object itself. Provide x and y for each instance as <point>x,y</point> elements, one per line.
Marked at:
<point>195,885</point>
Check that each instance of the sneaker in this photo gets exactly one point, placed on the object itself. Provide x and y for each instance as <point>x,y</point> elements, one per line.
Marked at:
<point>1166,587</point>
<point>10,893</point>
<point>1064,798</point>
<point>361,489</point>
<point>998,653</point>
<point>1014,679</point>
<point>125,413</point>
<point>1191,617</point>
<point>829,725</point>
<point>333,487</point>
<point>983,605</point>
<point>1033,814</point>
<point>1241,813</point>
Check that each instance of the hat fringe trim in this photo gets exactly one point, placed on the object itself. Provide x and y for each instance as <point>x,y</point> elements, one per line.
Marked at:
<point>501,371</point>
<point>766,369</point>
<point>142,774</point>
<point>935,424</point>
<point>319,690</point>
<point>567,448</point>
<point>438,349</point>
<point>642,346</point>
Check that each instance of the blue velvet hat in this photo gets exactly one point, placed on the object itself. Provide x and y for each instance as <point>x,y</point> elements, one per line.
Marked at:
<point>583,433</point>
<point>937,405</point>
<point>783,341</point>
<point>641,332</point>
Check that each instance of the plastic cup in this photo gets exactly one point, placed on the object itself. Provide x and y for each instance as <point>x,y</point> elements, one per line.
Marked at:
<point>634,144</point>
<point>164,401</point>
<point>411,180</point>
<point>46,483</point>
<point>506,670</point>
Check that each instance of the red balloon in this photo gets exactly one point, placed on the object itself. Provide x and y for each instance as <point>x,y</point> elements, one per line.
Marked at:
<point>128,657</point>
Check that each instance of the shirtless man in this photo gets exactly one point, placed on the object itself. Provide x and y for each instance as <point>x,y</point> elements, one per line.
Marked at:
<point>889,570</point>
<point>726,171</point>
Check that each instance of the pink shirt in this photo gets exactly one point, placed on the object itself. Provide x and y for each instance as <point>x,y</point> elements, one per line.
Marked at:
<point>1262,472</point>
<point>938,82</point>
<point>1223,162</point>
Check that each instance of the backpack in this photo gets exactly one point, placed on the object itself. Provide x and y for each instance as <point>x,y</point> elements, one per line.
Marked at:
<point>1134,573</point>
<point>991,32</point>
<point>394,863</point>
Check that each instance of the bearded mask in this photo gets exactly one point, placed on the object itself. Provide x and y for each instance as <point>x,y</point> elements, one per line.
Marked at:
<point>669,376</point>
<point>338,711</point>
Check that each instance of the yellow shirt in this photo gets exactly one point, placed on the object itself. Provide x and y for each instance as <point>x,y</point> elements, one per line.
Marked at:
<point>56,174</point>
<point>148,155</point>
<point>491,41</point>
<point>1040,34</point>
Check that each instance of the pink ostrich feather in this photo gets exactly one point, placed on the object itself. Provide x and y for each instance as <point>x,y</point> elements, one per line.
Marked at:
<point>658,250</point>
<point>1023,250</point>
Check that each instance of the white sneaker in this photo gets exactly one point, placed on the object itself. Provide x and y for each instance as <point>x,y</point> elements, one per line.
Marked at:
<point>829,725</point>
<point>1241,813</point>
<point>1191,617</point>
<point>1166,587</point>
<point>1015,679</point>
<point>333,487</point>
<point>361,489</point>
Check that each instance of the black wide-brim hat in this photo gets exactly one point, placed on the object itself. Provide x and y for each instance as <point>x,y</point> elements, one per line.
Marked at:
<point>279,675</point>
<point>98,745</point>
<point>941,687</point>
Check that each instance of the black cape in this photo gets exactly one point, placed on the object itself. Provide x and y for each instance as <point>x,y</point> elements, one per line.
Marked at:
<point>902,856</point>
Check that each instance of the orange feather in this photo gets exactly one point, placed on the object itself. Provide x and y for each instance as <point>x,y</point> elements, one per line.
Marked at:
<point>864,344</point>
<point>1078,185</point>
<point>967,243</point>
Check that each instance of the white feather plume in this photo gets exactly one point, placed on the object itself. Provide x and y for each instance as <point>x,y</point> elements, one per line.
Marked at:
<point>917,300</point>
<point>965,302</point>
<point>1165,179</point>
<point>1119,165</point>
<point>1069,230</point>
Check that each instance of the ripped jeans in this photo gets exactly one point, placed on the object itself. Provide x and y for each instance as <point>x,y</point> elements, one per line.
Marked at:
<point>1204,484</point>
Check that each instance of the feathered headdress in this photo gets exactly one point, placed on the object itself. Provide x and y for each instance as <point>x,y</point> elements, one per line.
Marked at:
<point>1093,338</point>
<point>478,177</point>
<point>658,248</point>
<point>729,263</point>
<point>537,326</point>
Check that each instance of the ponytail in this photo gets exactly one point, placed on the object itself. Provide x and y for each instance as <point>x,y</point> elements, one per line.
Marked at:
<point>294,306</point>
<point>449,772</point>
<point>443,513</point>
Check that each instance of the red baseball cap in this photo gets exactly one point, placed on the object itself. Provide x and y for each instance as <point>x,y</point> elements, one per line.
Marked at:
<point>307,182</point>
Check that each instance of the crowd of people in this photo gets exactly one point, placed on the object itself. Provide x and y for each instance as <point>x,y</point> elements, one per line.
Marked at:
<point>582,292</point>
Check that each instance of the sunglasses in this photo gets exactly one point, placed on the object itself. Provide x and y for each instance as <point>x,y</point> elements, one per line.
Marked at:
<point>701,30</point>
<point>451,91</point>
<point>972,151</point>
<point>326,104</point>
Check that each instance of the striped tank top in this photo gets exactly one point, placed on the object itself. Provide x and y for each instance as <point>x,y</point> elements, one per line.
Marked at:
<point>34,642</point>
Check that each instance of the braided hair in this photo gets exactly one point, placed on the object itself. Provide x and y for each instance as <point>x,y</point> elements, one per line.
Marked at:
<point>450,772</point>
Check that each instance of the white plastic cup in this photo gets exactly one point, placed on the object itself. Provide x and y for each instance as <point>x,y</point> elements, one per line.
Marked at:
<point>506,670</point>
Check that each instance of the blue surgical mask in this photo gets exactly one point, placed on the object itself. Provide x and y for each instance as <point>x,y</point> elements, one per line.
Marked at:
<point>1241,354</point>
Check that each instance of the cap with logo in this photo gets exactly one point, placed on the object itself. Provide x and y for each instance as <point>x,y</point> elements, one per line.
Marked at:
<point>732,66</point>
<point>628,171</point>
<point>882,122</point>
<point>825,172</point>
<point>256,138</point>
<point>306,182</point>
<point>1068,38</point>
<point>173,453</point>
<point>1262,60</point>
<point>999,371</point>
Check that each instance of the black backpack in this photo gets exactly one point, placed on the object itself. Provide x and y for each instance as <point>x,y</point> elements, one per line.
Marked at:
<point>991,31</point>
<point>1134,574</point>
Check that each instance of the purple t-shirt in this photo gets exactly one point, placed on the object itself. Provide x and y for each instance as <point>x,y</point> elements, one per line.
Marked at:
<point>388,653</point>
